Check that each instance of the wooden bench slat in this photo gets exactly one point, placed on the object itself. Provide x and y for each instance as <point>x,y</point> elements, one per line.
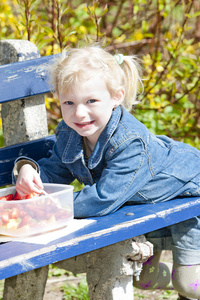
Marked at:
<point>19,257</point>
<point>23,79</point>
<point>35,149</point>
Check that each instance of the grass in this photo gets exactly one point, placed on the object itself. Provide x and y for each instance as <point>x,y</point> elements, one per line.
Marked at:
<point>1,289</point>
<point>154,295</point>
<point>80,292</point>
<point>76,292</point>
<point>1,138</point>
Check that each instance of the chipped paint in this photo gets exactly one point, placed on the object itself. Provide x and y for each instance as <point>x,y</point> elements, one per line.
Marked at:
<point>23,260</point>
<point>30,69</point>
<point>57,251</point>
<point>178,208</point>
<point>26,265</point>
<point>24,78</point>
<point>13,76</point>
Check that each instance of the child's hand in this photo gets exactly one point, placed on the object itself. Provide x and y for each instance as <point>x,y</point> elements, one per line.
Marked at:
<point>28,181</point>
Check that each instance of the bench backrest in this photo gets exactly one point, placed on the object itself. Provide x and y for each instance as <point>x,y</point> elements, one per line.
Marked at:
<point>22,80</point>
<point>35,149</point>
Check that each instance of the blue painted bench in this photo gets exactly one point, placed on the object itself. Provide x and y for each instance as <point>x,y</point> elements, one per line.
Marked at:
<point>108,231</point>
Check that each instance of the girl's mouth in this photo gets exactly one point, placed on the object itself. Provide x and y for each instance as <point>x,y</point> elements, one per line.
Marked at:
<point>84,124</point>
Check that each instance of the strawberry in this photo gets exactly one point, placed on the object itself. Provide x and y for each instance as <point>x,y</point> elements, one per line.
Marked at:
<point>5,216</point>
<point>25,221</point>
<point>7,197</point>
<point>18,197</point>
<point>14,213</point>
<point>36,212</point>
<point>32,195</point>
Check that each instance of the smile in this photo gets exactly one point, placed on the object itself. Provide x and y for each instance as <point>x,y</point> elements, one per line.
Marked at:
<point>85,124</point>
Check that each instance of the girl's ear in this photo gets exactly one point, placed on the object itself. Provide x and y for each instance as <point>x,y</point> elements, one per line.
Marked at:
<point>119,97</point>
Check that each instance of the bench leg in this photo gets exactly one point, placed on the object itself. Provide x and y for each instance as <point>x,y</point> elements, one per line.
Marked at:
<point>110,276</point>
<point>110,269</point>
<point>26,286</point>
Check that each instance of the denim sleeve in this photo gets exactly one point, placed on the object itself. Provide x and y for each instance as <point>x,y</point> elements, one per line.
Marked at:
<point>127,171</point>
<point>19,162</point>
<point>52,170</point>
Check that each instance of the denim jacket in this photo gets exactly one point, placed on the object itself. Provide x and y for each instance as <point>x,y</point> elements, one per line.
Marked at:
<point>128,165</point>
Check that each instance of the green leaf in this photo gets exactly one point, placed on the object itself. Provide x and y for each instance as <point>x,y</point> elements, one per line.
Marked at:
<point>49,30</point>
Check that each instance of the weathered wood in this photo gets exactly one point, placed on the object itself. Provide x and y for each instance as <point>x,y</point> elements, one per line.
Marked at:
<point>24,79</point>
<point>127,222</point>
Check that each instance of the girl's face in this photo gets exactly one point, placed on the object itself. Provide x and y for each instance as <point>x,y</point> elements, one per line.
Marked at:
<point>87,107</point>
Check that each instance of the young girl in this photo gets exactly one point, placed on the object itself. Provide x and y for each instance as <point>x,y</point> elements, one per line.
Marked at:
<point>116,157</point>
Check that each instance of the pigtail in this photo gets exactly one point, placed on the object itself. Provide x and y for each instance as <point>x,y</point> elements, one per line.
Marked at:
<point>133,80</point>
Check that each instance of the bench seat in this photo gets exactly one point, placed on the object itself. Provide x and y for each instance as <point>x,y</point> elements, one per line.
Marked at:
<point>126,223</point>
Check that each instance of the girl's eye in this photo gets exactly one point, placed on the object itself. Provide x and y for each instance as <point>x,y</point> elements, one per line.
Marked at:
<point>68,102</point>
<point>91,101</point>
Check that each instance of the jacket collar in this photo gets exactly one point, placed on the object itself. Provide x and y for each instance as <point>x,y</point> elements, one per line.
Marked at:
<point>74,148</point>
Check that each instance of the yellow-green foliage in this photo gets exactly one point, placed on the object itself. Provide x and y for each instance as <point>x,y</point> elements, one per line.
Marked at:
<point>164,34</point>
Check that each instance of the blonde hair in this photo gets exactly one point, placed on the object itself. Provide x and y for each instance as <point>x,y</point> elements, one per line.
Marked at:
<point>80,64</point>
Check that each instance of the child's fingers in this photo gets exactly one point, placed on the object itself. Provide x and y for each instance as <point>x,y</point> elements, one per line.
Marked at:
<point>22,191</point>
<point>38,182</point>
<point>36,189</point>
<point>32,186</point>
<point>28,182</point>
<point>26,190</point>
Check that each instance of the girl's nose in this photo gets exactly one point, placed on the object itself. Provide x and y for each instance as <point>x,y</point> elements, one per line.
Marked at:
<point>80,111</point>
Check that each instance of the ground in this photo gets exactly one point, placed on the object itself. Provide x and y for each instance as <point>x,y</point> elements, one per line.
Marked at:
<point>54,292</point>
<point>54,287</point>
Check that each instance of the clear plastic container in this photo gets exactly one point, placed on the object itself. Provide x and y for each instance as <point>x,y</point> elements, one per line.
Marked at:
<point>37,215</point>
